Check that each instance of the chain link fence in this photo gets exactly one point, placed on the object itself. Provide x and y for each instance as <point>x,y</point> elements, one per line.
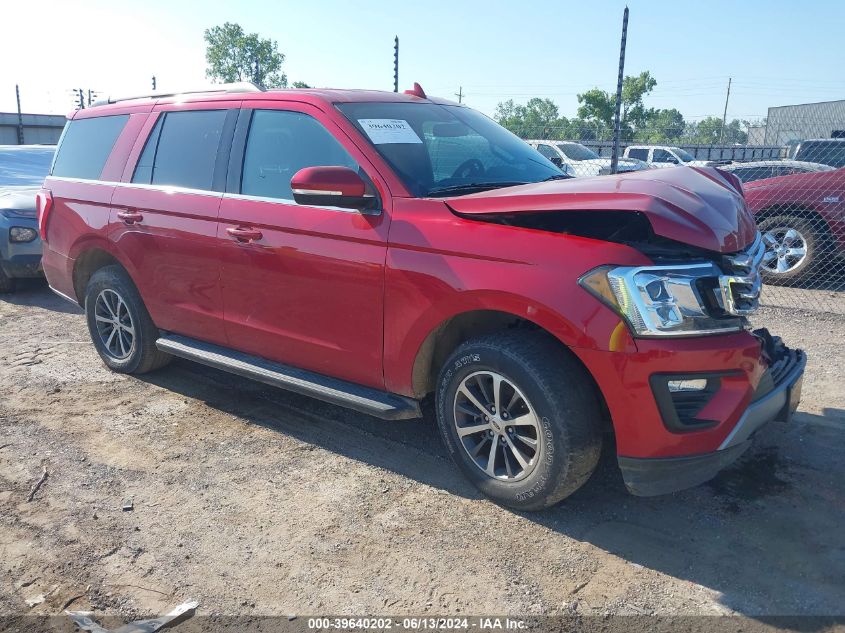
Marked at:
<point>793,174</point>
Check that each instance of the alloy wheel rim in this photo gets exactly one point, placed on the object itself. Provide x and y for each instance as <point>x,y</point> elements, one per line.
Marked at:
<point>786,250</point>
<point>114,324</point>
<point>497,426</point>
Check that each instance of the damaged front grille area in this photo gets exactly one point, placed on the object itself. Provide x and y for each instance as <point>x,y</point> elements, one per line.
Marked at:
<point>740,284</point>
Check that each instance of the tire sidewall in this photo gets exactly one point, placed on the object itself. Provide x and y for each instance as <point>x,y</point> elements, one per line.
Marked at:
<point>528,493</point>
<point>111,279</point>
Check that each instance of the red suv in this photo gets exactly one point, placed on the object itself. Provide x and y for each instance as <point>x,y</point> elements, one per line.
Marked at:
<point>370,249</point>
<point>802,219</point>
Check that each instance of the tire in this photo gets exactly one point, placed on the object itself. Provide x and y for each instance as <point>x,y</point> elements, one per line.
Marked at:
<point>785,237</point>
<point>7,284</point>
<point>537,376</point>
<point>131,349</point>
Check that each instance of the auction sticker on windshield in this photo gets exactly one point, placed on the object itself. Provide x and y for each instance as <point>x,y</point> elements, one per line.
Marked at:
<point>384,131</point>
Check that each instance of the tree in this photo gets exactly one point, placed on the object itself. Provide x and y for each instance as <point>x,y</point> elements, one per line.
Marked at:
<point>708,131</point>
<point>233,55</point>
<point>661,126</point>
<point>299,84</point>
<point>539,118</point>
<point>600,106</point>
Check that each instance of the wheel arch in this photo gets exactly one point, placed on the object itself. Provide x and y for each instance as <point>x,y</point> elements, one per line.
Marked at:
<point>89,260</point>
<point>793,209</point>
<point>460,327</point>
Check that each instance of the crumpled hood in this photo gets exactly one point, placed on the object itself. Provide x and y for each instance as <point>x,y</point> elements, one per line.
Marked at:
<point>699,206</point>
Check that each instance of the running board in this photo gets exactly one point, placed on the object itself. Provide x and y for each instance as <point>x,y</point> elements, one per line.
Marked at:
<point>367,400</point>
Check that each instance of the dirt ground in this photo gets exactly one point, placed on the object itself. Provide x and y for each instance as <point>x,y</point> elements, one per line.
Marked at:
<point>254,501</point>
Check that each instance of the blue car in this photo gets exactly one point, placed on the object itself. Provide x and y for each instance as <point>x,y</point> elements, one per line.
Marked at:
<point>22,170</point>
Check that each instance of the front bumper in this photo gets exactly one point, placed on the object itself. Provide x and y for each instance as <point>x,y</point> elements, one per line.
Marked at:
<point>776,397</point>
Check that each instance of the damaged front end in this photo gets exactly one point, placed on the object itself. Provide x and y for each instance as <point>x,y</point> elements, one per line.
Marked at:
<point>693,225</point>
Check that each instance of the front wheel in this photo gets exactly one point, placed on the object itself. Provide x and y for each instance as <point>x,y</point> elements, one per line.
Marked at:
<point>7,284</point>
<point>520,418</point>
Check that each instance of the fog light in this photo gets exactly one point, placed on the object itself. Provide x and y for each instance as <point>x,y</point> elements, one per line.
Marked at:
<point>22,234</point>
<point>698,384</point>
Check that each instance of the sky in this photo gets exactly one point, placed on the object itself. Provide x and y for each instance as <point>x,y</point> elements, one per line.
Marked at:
<point>776,52</point>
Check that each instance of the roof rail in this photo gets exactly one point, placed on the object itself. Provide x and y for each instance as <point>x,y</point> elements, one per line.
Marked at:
<point>241,86</point>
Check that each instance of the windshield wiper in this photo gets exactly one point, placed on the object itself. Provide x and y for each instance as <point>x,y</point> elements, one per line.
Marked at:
<point>472,187</point>
<point>558,177</point>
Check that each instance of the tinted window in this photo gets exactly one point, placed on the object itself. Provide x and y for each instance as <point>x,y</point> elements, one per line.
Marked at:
<point>662,156</point>
<point>638,153</point>
<point>279,145</point>
<point>576,151</point>
<point>750,174</point>
<point>85,146</point>
<point>547,151</point>
<point>447,150</point>
<point>187,149</point>
<point>24,166</point>
<point>827,153</point>
<point>144,168</point>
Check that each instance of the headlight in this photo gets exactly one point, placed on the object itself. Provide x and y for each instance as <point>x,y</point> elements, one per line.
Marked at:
<point>661,300</point>
<point>22,234</point>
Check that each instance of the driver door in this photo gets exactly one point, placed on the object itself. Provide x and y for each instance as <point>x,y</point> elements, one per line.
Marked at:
<point>302,285</point>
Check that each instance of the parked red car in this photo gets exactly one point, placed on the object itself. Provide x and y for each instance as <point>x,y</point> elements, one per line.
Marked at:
<point>802,219</point>
<point>372,248</point>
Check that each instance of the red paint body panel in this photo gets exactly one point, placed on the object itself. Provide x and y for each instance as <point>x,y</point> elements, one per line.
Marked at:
<point>356,296</point>
<point>693,205</point>
<point>822,192</point>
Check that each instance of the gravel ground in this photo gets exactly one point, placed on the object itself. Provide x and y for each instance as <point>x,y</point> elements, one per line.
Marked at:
<point>254,501</point>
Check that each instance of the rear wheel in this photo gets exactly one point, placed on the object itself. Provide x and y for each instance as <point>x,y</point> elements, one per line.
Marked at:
<point>793,248</point>
<point>120,326</point>
<point>520,418</point>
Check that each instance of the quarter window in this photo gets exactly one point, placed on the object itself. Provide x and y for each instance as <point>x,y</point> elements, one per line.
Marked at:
<point>182,149</point>
<point>280,143</point>
<point>638,153</point>
<point>85,146</point>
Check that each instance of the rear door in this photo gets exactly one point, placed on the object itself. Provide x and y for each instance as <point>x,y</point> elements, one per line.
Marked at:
<point>164,215</point>
<point>307,289</point>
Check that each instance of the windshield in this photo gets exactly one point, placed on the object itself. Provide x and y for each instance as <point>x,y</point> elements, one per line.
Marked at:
<point>683,155</point>
<point>24,166</point>
<point>576,151</point>
<point>447,150</point>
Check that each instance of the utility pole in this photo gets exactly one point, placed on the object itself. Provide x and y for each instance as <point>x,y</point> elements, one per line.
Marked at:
<point>81,95</point>
<point>460,94</point>
<point>725,115</point>
<point>90,97</point>
<point>154,83</point>
<point>396,64</point>
<point>20,116</point>
<point>614,160</point>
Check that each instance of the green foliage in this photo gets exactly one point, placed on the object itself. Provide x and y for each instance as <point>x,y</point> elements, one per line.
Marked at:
<point>233,55</point>
<point>540,118</point>
<point>709,131</point>
<point>300,84</point>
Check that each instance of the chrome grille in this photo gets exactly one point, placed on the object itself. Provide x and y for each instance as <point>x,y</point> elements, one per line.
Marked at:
<point>739,288</point>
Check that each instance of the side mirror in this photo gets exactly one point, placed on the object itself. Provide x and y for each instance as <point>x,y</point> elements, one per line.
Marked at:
<point>330,187</point>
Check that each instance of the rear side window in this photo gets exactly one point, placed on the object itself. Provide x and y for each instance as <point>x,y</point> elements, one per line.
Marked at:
<point>280,143</point>
<point>639,154</point>
<point>86,145</point>
<point>182,149</point>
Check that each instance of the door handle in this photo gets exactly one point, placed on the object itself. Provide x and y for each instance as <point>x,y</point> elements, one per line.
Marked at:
<point>130,217</point>
<point>244,234</point>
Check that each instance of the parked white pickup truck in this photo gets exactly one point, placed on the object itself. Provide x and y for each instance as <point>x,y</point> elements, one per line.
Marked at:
<point>664,156</point>
<point>578,160</point>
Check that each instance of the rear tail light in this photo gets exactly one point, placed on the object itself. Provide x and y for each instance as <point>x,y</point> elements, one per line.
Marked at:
<point>44,204</point>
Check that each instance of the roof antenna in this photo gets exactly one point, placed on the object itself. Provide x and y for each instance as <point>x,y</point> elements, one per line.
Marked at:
<point>417,91</point>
